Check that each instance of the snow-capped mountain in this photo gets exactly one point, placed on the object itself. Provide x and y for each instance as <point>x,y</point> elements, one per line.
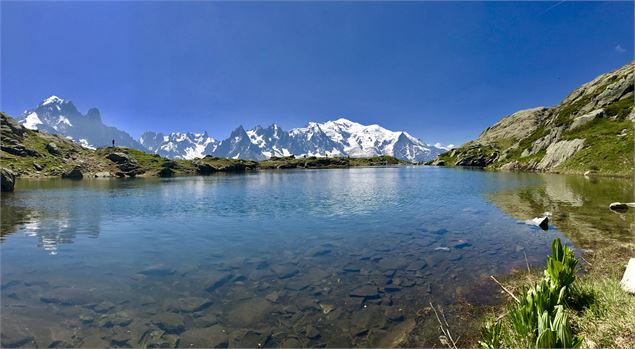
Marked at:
<point>179,145</point>
<point>55,115</point>
<point>340,137</point>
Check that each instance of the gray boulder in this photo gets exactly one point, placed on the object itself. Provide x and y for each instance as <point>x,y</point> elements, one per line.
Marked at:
<point>8,179</point>
<point>53,149</point>
<point>74,173</point>
<point>628,280</point>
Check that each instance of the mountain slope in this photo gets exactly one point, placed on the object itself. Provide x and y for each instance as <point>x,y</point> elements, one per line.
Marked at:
<point>590,130</point>
<point>57,116</point>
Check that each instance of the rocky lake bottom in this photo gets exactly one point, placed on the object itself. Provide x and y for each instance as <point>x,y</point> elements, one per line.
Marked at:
<point>301,258</point>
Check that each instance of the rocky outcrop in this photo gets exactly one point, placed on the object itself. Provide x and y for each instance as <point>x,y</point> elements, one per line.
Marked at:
<point>8,180</point>
<point>52,148</point>
<point>559,152</point>
<point>127,166</point>
<point>74,173</point>
<point>13,136</point>
<point>477,156</point>
<point>549,139</point>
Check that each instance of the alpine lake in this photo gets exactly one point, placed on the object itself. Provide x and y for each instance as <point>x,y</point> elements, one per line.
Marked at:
<point>282,258</point>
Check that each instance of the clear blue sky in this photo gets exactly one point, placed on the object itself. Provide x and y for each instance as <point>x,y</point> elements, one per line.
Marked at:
<point>442,71</point>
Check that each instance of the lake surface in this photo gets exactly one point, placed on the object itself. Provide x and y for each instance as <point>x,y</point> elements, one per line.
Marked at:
<point>336,258</point>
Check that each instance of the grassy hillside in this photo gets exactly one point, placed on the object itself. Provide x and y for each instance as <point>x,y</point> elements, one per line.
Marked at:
<point>30,153</point>
<point>590,130</point>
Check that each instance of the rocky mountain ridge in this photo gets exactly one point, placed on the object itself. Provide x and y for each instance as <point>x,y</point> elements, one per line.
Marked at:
<point>590,131</point>
<point>340,138</point>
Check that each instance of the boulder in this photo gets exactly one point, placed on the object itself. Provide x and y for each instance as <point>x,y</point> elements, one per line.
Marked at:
<point>628,280</point>
<point>118,158</point>
<point>8,180</point>
<point>586,118</point>
<point>542,222</point>
<point>559,152</point>
<point>127,166</point>
<point>37,166</point>
<point>74,173</point>
<point>621,207</point>
<point>53,149</point>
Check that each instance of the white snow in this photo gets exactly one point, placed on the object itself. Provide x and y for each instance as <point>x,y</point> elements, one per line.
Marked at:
<point>31,121</point>
<point>52,99</point>
<point>84,143</point>
<point>64,120</point>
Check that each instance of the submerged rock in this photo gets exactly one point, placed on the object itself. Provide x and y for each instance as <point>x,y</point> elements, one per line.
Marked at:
<point>628,280</point>
<point>8,180</point>
<point>169,322</point>
<point>218,280</point>
<point>192,304</point>
<point>365,291</point>
<point>209,337</point>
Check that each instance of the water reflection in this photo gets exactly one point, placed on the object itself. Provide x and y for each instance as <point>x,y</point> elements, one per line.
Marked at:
<point>340,258</point>
<point>579,206</point>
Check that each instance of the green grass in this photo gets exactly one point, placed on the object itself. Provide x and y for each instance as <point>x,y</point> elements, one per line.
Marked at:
<point>603,149</point>
<point>594,308</point>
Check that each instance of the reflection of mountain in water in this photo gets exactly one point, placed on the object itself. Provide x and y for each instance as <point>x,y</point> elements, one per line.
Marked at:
<point>579,206</point>
<point>51,225</point>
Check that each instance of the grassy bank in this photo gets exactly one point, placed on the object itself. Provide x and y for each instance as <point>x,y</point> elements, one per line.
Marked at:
<point>592,311</point>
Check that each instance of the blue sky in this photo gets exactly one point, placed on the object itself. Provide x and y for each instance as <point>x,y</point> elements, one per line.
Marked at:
<point>442,71</point>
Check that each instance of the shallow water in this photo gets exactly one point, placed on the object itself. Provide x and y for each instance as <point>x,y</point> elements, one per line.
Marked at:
<point>341,257</point>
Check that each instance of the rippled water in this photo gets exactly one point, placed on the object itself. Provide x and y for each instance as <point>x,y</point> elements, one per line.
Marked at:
<point>342,257</point>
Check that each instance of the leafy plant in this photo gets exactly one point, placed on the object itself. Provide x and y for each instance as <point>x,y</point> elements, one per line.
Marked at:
<point>561,265</point>
<point>492,335</point>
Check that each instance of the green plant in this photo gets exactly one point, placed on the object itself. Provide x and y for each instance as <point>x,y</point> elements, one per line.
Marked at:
<point>555,331</point>
<point>561,265</point>
<point>492,335</point>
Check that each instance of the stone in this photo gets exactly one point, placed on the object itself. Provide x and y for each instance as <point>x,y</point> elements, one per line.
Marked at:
<point>53,149</point>
<point>74,173</point>
<point>351,268</point>
<point>102,174</point>
<point>292,343</point>
<point>37,166</point>
<point>542,222</point>
<point>559,152</point>
<point>312,332</point>
<point>103,307</point>
<point>326,308</point>
<point>442,248</point>
<point>68,296</point>
<point>393,263</point>
<point>394,314</point>
<point>250,312</point>
<point>628,280</point>
<point>209,337</point>
<point>273,296</point>
<point>249,338</point>
<point>461,244</point>
<point>585,119</point>
<point>218,280</point>
<point>120,336</point>
<point>205,321</point>
<point>620,207</point>
<point>169,322</point>
<point>416,265</point>
<point>365,291</point>
<point>192,304</point>
<point>589,173</point>
<point>14,335</point>
<point>157,270</point>
<point>117,319</point>
<point>7,179</point>
<point>284,271</point>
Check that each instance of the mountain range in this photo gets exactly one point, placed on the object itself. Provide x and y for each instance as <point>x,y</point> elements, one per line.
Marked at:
<point>338,138</point>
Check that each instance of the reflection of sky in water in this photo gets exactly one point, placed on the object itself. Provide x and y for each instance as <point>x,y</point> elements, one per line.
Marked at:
<point>105,233</point>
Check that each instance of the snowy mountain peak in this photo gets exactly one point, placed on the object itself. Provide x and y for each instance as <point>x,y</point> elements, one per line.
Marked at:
<point>52,100</point>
